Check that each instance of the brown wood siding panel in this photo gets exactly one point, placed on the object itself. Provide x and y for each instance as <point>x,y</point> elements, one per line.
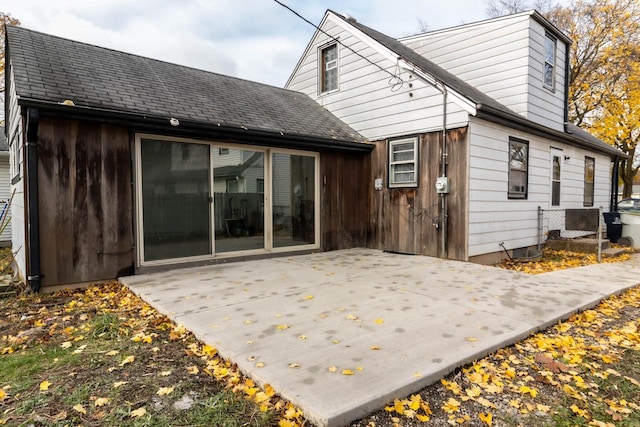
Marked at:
<point>85,201</point>
<point>404,219</point>
<point>345,201</point>
<point>458,172</point>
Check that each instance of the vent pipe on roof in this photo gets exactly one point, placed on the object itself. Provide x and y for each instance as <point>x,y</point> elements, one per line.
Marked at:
<point>33,217</point>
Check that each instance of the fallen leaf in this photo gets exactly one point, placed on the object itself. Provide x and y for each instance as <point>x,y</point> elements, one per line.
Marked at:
<point>260,365</point>
<point>379,321</point>
<point>486,418</point>
<point>165,373</point>
<point>375,347</point>
<point>551,364</point>
<point>80,349</point>
<point>209,350</point>
<point>66,344</point>
<point>79,408</point>
<point>351,317</point>
<point>3,394</point>
<point>347,372</point>
<point>472,339</point>
<point>332,369</point>
<point>101,401</point>
<point>138,412</point>
<point>128,359</point>
<point>44,385</point>
<point>294,365</point>
<point>302,337</point>
<point>451,406</point>
<point>308,297</point>
<point>112,353</point>
<point>283,326</point>
<point>163,391</point>
<point>119,384</point>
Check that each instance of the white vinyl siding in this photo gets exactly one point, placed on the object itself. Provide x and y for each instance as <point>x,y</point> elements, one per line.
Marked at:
<point>390,111</point>
<point>503,58</point>
<point>18,225</point>
<point>5,194</point>
<point>493,218</point>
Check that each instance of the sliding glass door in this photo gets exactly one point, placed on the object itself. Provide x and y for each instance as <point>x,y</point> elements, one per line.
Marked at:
<point>198,200</point>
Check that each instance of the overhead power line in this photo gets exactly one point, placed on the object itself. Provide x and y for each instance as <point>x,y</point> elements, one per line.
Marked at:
<point>393,76</point>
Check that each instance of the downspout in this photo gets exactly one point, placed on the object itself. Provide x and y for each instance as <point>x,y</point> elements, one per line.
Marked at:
<point>443,172</point>
<point>567,76</point>
<point>613,201</point>
<point>33,217</point>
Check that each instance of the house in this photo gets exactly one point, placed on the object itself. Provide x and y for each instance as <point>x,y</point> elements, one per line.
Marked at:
<point>5,192</point>
<point>470,131</point>
<point>123,164</point>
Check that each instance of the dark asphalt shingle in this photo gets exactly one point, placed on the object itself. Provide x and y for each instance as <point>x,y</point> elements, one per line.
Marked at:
<point>53,69</point>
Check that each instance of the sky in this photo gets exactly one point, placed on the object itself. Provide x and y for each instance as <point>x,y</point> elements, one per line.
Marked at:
<point>257,40</point>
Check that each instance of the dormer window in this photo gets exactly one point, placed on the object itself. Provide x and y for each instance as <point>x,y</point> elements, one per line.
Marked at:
<point>549,75</point>
<point>329,68</point>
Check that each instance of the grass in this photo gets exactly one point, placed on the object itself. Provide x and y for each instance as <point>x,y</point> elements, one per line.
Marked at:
<point>94,357</point>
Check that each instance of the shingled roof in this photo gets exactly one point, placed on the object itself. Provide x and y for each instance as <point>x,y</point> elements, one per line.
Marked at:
<point>487,107</point>
<point>50,69</point>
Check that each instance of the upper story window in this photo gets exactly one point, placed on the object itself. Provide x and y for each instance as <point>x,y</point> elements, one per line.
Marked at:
<point>589,180</point>
<point>518,168</point>
<point>549,74</point>
<point>329,68</point>
<point>403,162</point>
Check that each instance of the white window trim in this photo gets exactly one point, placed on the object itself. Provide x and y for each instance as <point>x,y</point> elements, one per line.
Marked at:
<point>333,64</point>
<point>552,86</point>
<point>268,153</point>
<point>559,153</point>
<point>522,195</point>
<point>414,161</point>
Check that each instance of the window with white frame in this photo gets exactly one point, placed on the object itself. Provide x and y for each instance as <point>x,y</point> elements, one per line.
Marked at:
<point>589,180</point>
<point>329,68</point>
<point>518,168</point>
<point>403,162</point>
<point>15,162</point>
<point>549,62</point>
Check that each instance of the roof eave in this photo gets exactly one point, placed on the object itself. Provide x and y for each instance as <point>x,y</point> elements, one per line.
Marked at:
<point>155,123</point>
<point>515,121</point>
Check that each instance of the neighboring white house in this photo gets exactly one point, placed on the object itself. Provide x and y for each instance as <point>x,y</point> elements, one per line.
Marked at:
<point>501,84</point>
<point>5,191</point>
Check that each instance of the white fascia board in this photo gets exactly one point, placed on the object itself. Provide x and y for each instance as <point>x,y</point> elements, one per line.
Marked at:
<point>457,98</point>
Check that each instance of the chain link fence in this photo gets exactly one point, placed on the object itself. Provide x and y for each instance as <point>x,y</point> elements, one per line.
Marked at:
<point>568,224</point>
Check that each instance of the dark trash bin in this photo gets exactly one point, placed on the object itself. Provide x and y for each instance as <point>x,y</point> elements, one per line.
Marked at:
<point>614,226</point>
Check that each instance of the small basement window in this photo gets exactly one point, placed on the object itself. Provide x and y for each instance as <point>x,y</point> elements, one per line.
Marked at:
<point>518,168</point>
<point>329,68</point>
<point>403,162</point>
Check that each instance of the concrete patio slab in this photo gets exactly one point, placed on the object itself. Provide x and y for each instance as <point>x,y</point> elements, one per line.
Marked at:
<point>398,322</point>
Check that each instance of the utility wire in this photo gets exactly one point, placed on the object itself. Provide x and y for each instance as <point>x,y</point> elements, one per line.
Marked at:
<point>393,76</point>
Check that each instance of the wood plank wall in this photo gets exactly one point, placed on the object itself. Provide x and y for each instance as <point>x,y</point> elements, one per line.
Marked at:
<point>345,191</point>
<point>404,220</point>
<point>84,179</point>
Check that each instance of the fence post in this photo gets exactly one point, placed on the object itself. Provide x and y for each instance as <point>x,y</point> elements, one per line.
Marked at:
<point>600,234</point>
<point>539,228</point>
